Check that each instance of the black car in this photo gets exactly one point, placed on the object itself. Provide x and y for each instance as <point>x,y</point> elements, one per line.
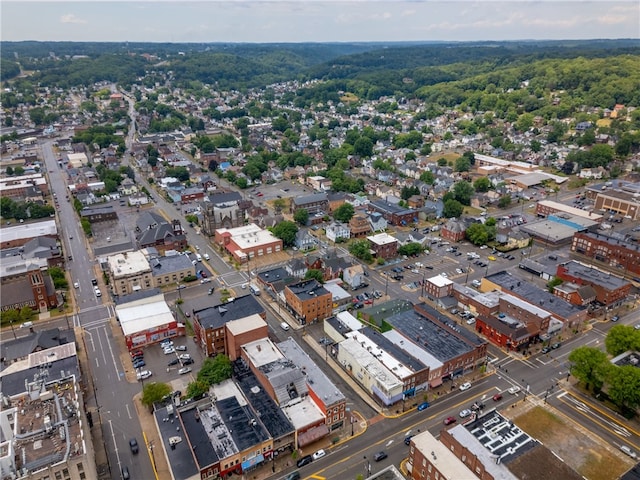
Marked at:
<point>133,444</point>
<point>555,345</point>
<point>173,362</point>
<point>306,460</point>
<point>546,350</point>
<point>187,361</point>
<point>407,439</point>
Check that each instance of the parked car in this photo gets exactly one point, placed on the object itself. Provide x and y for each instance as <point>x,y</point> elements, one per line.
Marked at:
<point>615,318</point>
<point>136,353</point>
<point>184,370</point>
<point>181,348</point>
<point>407,439</point>
<point>555,345</point>
<point>173,362</point>
<point>319,454</point>
<point>423,406</point>
<point>293,476</point>
<point>184,356</point>
<point>449,420</point>
<point>125,473</point>
<point>465,413</point>
<point>169,351</point>
<point>133,445</point>
<point>143,375</point>
<point>546,349</point>
<point>465,386</point>
<point>187,361</point>
<point>138,363</point>
<point>306,460</point>
<point>627,451</point>
<point>380,456</point>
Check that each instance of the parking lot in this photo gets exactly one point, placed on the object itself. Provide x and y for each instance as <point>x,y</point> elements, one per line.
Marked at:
<point>285,189</point>
<point>164,367</point>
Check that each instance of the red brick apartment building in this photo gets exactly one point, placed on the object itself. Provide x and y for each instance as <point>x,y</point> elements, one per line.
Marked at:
<point>609,288</point>
<point>611,251</point>
<point>309,301</point>
<point>383,245</point>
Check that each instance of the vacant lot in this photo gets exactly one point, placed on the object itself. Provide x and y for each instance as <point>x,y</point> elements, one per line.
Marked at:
<point>585,455</point>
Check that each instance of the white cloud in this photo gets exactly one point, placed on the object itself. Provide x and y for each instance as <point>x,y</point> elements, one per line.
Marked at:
<point>71,18</point>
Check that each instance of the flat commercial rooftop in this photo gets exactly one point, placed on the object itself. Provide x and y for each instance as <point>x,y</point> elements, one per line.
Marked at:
<point>588,273</point>
<point>262,352</point>
<point>303,413</point>
<point>181,458</point>
<point>442,344</point>
<point>218,315</point>
<point>394,351</point>
<point>317,381</point>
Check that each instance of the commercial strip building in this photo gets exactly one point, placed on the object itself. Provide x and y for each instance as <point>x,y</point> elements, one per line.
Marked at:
<point>544,208</point>
<point>129,272</point>
<point>610,290</point>
<point>247,242</point>
<point>145,318</point>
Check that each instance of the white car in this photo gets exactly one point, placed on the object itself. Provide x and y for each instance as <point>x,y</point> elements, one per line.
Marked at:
<point>97,292</point>
<point>465,386</point>
<point>169,350</point>
<point>444,274</point>
<point>181,348</point>
<point>76,285</point>
<point>184,370</point>
<point>319,454</point>
<point>184,356</point>
<point>514,390</point>
<point>143,375</point>
<point>471,321</point>
<point>205,280</point>
<point>465,413</point>
<point>206,256</point>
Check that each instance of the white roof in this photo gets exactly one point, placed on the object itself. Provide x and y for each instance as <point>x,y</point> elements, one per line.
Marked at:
<point>262,352</point>
<point>440,457</point>
<point>413,349</point>
<point>139,317</point>
<point>126,264</point>
<point>382,239</point>
<point>440,281</point>
<point>249,236</point>
<point>303,413</point>
<point>384,377</point>
<point>569,209</point>
<point>28,230</point>
<point>246,324</point>
<point>337,292</point>
<point>350,321</point>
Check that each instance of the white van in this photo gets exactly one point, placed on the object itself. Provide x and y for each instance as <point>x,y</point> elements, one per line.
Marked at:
<point>198,257</point>
<point>206,256</point>
<point>284,326</point>
<point>254,289</point>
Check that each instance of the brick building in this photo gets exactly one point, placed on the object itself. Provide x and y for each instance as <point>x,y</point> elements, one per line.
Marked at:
<point>317,203</point>
<point>608,250</point>
<point>247,242</point>
<point>544,208</point>
<point>610,289</point>
<point>129,272</point>
<point>454,230</point>
<point>383,245</point>
<point>99,213</point>
<point>309,301</point>
<point>360,226</point>
<point>621,202</point>
<point>438,287</point>
<point>393,214</point>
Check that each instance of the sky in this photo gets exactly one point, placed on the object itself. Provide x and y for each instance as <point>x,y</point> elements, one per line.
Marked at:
<point>261,21</point>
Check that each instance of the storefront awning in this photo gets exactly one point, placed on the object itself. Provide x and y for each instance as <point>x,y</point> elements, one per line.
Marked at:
<point>312,435</point>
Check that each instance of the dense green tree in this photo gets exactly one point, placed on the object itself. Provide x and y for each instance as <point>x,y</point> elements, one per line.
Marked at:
<point>196,389</point>
<point>462,164</point>
<point>482,184</point>
<point>242,182</point>
<point>154,392</point>
<point>624,386</point>
<point>361,249</point>
<point>407,192</point>
<point>477,234</point>
<point>363,147</point>
<point>59,278</point>
<point>442,162</point>
<point>344,212</point>
<point>215,370</point>
<point>462,192</point>
<point>411,248</point>
<point>286,231</point>
<point>504,201</point>
<point>301,216</point>
<point>26,314</point>
<point>314,273</point>
<point>452,209</point>
<point>589,365</point>
<point>427,177</point>
<point>622,338</point>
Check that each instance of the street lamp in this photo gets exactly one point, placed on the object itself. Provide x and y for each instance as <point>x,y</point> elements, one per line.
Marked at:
<point>12,330</point>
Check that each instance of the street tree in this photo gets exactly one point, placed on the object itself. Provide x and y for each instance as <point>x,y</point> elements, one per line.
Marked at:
<point>624,386</point>
<point>504,201</point>
<point>279,204</point>
<point>154,392</point>
<point>462,164</point>
<point>589,365</point>
<point>286,231</point>
<point>622,338</point>
<point>344,212</point>
<point>301,216</point>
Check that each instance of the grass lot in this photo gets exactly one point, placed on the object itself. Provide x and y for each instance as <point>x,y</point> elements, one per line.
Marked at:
<point>585,455</point>
<point>349,97</point>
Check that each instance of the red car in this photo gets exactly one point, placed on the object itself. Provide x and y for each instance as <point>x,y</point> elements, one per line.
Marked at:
<point>137,353</point>
<point>260,194</point>
<point>204,274</point>
<point>449,420</point>
<point>497,397</point>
